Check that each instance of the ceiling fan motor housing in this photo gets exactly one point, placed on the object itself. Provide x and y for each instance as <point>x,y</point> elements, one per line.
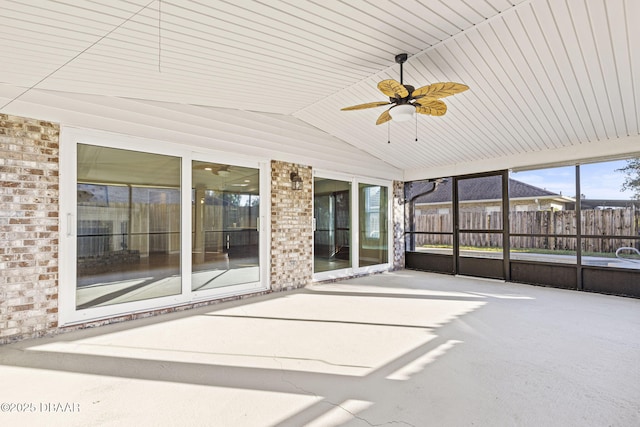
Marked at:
<point>401,58</point>
<point>406,99</point>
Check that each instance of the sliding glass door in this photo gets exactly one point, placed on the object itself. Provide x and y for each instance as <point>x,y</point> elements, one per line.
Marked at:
<point>351,223</point>
<point>149,230</point>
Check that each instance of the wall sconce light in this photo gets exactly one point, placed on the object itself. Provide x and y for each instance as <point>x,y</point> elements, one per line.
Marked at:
<point>296,181</point>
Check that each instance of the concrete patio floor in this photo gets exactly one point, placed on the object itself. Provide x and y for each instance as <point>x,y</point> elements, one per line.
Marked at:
<point>396,349</point>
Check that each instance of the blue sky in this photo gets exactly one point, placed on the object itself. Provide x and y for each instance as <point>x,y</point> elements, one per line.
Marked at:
<point>598,180</point>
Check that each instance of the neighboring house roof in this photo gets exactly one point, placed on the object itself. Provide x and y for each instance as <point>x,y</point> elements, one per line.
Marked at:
<point>608,203</point>
<point>484,188</point>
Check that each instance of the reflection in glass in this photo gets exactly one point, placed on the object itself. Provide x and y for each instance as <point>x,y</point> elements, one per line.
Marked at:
<point>225,206</point>
<point>373,218</point>
<point>128,226</point>
<point>332,235</point>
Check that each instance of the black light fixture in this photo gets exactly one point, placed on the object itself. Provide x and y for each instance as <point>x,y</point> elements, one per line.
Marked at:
<point>296,181</point>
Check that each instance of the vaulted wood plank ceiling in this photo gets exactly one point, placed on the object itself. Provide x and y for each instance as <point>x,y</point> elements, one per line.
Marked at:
<point>545,76</point>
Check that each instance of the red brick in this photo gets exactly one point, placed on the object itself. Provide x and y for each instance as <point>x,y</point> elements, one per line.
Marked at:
<point>22,307</point>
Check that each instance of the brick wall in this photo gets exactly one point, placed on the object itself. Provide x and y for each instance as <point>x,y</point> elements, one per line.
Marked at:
<point>28,227</point>
<point>291,227</point>
<point>397,207</point>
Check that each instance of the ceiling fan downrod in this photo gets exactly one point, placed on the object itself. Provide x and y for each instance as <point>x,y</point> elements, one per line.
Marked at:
<point>401,58</point>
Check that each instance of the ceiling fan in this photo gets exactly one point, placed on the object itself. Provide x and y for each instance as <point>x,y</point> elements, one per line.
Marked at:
<point>214,168</point>
<point>407,100</point>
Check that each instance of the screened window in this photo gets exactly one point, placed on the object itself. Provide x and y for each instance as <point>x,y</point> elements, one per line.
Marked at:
<point>610,203</point>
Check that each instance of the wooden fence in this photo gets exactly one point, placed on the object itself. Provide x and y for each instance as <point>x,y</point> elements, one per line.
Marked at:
<point>559,228</point>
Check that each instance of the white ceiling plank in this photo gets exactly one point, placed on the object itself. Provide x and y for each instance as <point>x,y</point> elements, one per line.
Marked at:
<point>540,28</point>
<point>284,38</point>
<point>618,72</point>
<point>502,5</point>
<point>502,82</point>
<point>446,18</point>
<point>315,20</point>
<point>576,28</point>
<point>493,98</point>
<point>533,91</point>
<point>544,76</point>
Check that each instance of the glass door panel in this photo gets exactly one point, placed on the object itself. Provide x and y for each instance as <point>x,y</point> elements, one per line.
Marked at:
<point>225,240</point>
<point>128,226</point>
<point>373,218</point>
<point>332,234</point>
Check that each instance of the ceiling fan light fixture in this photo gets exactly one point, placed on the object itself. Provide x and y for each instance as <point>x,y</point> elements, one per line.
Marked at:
<point>403,112</point>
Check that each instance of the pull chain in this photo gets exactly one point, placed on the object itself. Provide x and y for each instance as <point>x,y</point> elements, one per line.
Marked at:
<point>388,132</point>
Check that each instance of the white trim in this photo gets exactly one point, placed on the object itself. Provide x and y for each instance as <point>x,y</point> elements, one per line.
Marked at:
<point>185,226</point>
<point>358,270</point>
<point>265,224</point>
<point>355,226</point>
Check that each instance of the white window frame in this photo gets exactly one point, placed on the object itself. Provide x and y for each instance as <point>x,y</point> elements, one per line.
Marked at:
<point>70,137</point>
<point>355,269</point>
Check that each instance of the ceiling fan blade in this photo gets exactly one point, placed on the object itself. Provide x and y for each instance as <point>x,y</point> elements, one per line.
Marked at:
<point>439,90</point>
<point>393,89</point>
<point>384,117</point>
<point>367,105</point>
<point>431,108</point>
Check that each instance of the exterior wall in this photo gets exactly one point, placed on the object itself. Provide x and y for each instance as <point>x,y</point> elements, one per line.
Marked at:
<point>29,231</point>
<point>29,165</point>
<point>291,227</point>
